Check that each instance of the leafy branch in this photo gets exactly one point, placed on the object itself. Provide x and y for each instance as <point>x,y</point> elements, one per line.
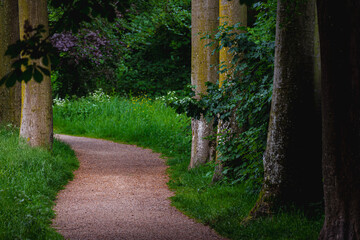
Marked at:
<point>31,56</point>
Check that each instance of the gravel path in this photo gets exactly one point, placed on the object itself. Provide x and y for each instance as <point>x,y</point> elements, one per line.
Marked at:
<point>120,192</point>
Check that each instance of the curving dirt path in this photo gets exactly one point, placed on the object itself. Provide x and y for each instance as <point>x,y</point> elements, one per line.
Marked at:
<point>120,192</point>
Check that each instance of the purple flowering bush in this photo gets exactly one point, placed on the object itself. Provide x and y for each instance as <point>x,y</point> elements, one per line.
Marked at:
<point>87,45</point>
<point>84,58</point>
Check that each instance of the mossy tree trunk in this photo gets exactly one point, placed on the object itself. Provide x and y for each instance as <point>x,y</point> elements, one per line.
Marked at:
<point>339,27</point>
<point>36,116</point>
<point>203,69</point>
<point>292,160</point>
<point>10,98</point>
<point>230,12</point>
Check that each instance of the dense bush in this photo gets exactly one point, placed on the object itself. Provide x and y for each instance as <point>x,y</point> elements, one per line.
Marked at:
<point>146,50</point>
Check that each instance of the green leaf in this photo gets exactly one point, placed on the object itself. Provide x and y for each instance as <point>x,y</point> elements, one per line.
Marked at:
<point>11,80</point>
<point>38,75</point>
<point>20,62</point>
<point>14,50</point>
<point>45,61</point>
<point>4,78</point>
<point>27,74</point>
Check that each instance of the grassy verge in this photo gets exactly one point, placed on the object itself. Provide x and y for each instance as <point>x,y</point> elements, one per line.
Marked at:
<point>224,206</point>
<point>137,121</point>
<point>151,124</point>
<point>29,181</point>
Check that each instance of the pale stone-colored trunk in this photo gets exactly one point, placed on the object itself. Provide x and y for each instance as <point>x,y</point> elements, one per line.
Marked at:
<point>10,98</point>
<point>36,116</point>
<point>230,12</point>
<point>292,160</point>
<point>203,69</point>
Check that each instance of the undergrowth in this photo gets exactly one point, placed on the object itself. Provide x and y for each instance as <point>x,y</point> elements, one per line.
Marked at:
<point>150,123</point>
<point>29,181</point>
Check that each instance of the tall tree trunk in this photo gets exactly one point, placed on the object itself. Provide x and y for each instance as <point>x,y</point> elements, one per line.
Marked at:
<point>204,20</point>
<point>230,12</point>
<point>292,160</point>
<point>10,99</point>
<point>339,26</point>
<point>36,117</point>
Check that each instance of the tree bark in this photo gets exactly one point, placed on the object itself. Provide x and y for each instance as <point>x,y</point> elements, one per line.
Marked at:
<point>36,121</point>
<point>203,69</point>
<point>10,98</point>
<point>292,160</point>
<point>339,26</point>
<point>230,12</point>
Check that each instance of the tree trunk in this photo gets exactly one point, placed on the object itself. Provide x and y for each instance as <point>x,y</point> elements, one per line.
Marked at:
<point>36,121</point>
<point>10,99</point>
<point>292,160</point>
<point>339,26</point>
<point>203,69</point>
<point>231,12</point>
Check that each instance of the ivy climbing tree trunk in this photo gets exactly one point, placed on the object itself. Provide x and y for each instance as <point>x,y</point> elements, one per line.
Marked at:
<point>230,12</point>
<point>339,26</point>
<point>36,116</point>
<point>10,98</point>
<point>203,69</point>
<point>292,160</point>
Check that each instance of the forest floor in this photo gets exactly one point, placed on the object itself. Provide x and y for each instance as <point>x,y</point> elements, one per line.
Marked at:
<point>120,192</point>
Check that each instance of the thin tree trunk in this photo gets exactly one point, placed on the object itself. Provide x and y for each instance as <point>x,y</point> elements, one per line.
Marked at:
<point>231,12</point>
<point>339,26</point>
<point>10,98</point>
<point>36,121</point>
<point>292,160</point>
<point>203,69</point>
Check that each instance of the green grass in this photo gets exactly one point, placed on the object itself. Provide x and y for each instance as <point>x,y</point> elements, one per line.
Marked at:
<point>29,181</point>
<point>151,124</point>
<point>138,121</point>
<point>224,206</point>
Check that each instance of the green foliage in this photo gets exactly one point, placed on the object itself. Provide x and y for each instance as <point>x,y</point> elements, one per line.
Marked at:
<point>246,94</point>
<point>264,26</point>
<point>148,52</point>
<point>249,97</point>
<point>159,42</point>
<point>29,181</point>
